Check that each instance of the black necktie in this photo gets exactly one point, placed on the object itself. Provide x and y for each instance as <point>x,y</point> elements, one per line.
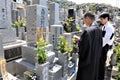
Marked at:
<point>103,32</point>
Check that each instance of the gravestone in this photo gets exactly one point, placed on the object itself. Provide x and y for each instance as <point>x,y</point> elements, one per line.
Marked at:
<point>8,34</point>
<point>40,2</point>
<point>18,13</point>
<point>42,71</point>
<point>71,14</point>
<point>5,13</point>
<point>29,2</point>
<point>63,61</point>
<point>36,16</point>
<point>56,31</point>
<point>54,14</point>
<point>14,5</point>
<point>14,15</point>
<point>68,37</point>
<point>61,14</point>
<point>36,25</point>
<point>21,29</point>
<point>55,73</point>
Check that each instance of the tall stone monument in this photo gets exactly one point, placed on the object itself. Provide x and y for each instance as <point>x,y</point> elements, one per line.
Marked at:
<point>36,16</point>
<point>5,14</point>
<point>54,14</point>
<point>56,31</point>
<point>7,34</point>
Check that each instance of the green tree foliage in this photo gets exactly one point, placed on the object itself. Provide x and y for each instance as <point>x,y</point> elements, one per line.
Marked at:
<point>117,51</point>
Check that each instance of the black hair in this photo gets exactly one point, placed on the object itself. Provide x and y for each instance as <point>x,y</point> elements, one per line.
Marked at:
<point>105,15</point>
<point>90,15</point>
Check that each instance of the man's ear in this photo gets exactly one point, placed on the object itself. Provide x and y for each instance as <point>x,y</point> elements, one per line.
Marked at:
<point>107,18</point>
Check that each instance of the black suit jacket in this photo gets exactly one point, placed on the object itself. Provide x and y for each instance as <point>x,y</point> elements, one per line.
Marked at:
<point>90,49</point>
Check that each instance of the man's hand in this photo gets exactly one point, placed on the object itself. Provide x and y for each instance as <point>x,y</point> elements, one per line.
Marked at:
<point>76,38</point>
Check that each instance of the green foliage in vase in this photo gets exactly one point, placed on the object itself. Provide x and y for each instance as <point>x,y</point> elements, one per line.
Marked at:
<point>69,23</point>
<point>41,47</point>
<point>63,45</point>
<point>74,45</point>
<point>19,23</point>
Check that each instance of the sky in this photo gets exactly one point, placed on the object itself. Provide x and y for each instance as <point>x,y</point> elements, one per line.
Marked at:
<point>111,2</point>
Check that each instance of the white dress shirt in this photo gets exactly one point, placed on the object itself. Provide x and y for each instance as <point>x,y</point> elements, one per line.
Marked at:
<point>109,30</point>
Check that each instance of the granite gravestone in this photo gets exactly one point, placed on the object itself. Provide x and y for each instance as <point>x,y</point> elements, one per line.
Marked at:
<point>36,16</point>
<point>72,14</point>
<point>68,37</point>
<point>40,2</point>
<point>56,31</point>
<point>54,14</point>
<point>5,13</point>
<point>14,15</point>
<point>5,22</point>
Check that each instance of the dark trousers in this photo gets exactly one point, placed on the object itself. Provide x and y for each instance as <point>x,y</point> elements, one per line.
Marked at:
<point>102,62</point>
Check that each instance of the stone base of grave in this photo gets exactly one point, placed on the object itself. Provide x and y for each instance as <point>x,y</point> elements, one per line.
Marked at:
<point>55,73</point>
<point>12,50</point>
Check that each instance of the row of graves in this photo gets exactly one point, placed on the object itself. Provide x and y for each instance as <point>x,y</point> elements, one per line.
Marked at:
<point>39,51</point>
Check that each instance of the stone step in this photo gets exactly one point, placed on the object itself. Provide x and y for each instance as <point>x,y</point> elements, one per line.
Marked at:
<point>26,64</point>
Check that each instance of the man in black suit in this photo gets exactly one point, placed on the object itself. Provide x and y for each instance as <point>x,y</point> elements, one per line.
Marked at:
<point>90,49</point>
